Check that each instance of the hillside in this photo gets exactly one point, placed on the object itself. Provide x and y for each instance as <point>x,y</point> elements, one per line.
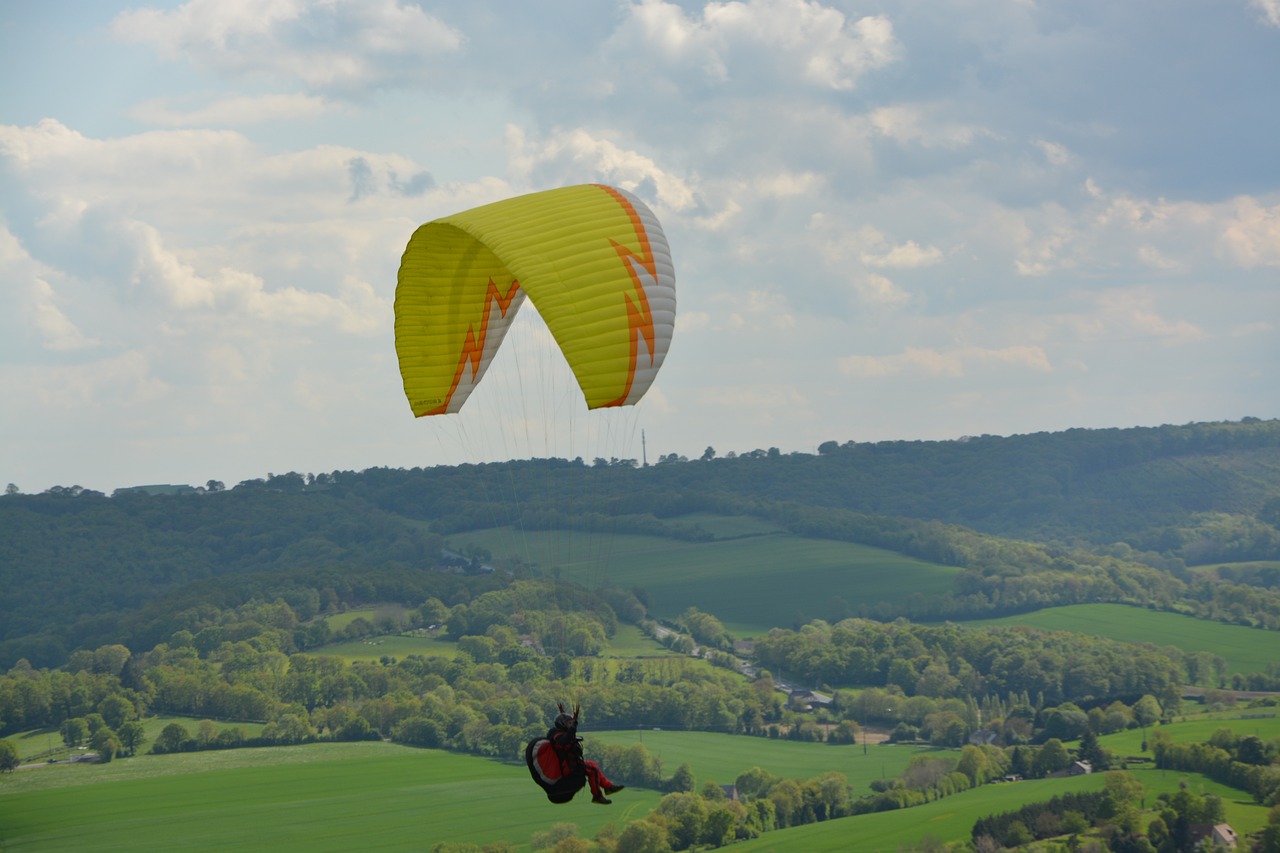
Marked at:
<point>1062,518</point>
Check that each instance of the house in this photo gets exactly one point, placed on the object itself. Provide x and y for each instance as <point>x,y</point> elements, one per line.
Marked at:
<point>1077,768</point>
<point>1220,835</point>
<point>805,700</point>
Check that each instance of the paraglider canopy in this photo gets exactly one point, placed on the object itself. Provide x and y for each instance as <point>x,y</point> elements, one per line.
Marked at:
<point>591,258</point>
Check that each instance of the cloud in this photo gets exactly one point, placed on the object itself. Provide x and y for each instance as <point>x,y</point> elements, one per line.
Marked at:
<point>949,364</point>
<point>920,124</point>
<point>571,156</point>
<point>762,39</point>
<point>908,255</point>
<point>339,46</point>
<point>1133,315</point>
<point>1270,10</point>
<point>31,302</point>
<point>1250,236</point>
<point>231,111</point>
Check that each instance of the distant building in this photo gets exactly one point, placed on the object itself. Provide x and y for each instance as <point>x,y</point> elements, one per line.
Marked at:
<point>1077,768</point>
<point>805,700</point>
<point>1220,835</point>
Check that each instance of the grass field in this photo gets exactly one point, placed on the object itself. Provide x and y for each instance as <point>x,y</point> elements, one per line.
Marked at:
<point>721,758</point>
<point>750,584</point>
<point>306,798</point>
<point>378,796</point>
<point>952,819</point>
<point>1197,730</point>
<point>398,646</point>
<point>949,819</point>
<point>36,745</point>
<point>1245,649</point>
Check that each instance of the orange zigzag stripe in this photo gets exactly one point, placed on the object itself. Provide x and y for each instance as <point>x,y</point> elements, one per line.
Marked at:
<point>639,318</point>
<point>473,346</point>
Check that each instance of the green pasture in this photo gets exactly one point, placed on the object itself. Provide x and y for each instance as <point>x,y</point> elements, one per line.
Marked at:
<point>750,584</point>
<point>35,745</point>
<point>1242,812</point>
<point>731,526</point>
<point>1249,565</point>
<point>721,758</point>
<point>631,642</point>
<point>368,796</point>
<point>398,646</point>
<point>1198,730</point>
<point>952,818</point>
<point>1244,649</point>
<point>949,819</point>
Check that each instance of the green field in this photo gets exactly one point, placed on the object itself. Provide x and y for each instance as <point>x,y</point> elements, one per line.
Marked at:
<point>721,758</point>
<point>751,584</point>
<point>1245,649</point>
<point>1198,730</point>
<point>383,797</point>
<point>37,745</point>
<point>398,646</point>
<point>306,798</point>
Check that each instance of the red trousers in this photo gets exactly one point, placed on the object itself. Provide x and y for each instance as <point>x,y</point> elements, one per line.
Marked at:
<point>596,778</point>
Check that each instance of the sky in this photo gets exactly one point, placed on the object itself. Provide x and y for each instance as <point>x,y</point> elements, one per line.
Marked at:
<point>921,219</point>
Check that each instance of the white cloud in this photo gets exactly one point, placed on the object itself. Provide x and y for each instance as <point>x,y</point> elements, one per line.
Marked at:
<point>571,156</point>
<point>1132,316</point>
<point>234,111</point>
<point>1270,10</point>
<point>949,364</point>
<point>1119,229</point>
<point>1250,236</point>
<point>876,289</point>
<point>908,255</point>
<point>920,124</point>
<point>337,45</point>
<point>797,39</point>
<point>30,302</point>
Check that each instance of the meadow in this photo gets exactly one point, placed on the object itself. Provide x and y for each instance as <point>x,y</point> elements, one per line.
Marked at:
<point>751,583</point>
<point>721,758</point>
<point>1244,649</point>
<point>40,744</point>
<point>321,797</point>
<point>381,796</point>
<point>952,818</point>
<point>1198,729</point>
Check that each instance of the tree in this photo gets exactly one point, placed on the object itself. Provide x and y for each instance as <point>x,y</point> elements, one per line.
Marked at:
<point>132,735</point>
<point>1147,710</point>
<point>106,744</point>
<point>1092,752</point>
<point>1051,758</point>
<point>74,731</point>
<point>115,710</point>
<point>172,738</point>
<point>643,836</point>
<point>9,760</point>
<point>682,780</point>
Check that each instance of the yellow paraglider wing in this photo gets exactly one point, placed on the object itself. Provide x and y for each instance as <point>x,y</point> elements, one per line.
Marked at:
<point>592,259</point>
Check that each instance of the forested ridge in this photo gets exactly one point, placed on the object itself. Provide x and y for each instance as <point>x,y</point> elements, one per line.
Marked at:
<point>1076,516</point>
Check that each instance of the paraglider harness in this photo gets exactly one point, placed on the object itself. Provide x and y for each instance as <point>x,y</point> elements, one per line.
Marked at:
<point>555,761</point>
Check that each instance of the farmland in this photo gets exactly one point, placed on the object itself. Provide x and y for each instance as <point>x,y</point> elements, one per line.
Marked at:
<point>721,757</point>
<point>319,797</point>
<point>751,584</point>
<point>1244,649</point>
